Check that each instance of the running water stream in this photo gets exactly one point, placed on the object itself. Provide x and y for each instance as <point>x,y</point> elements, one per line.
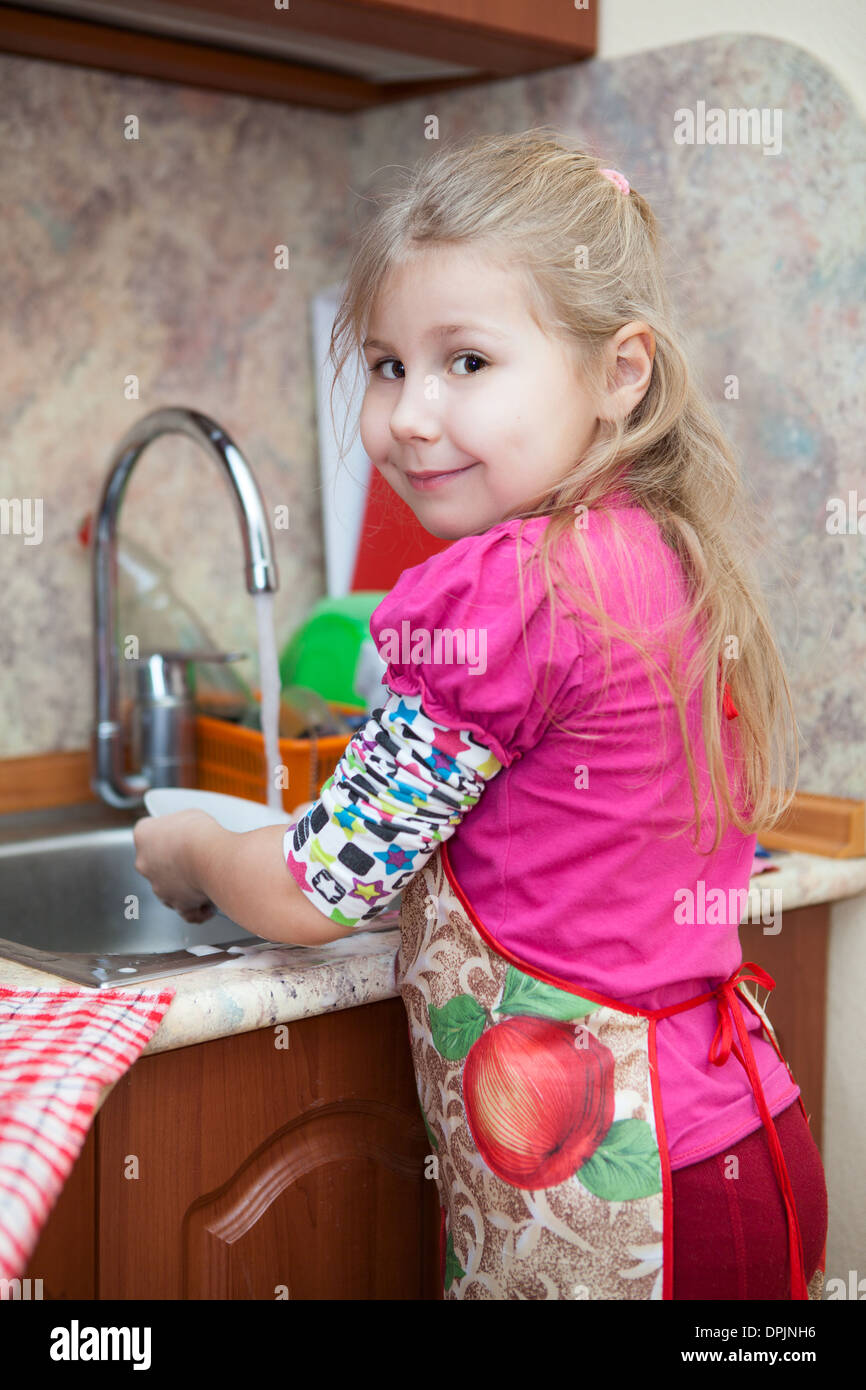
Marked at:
<point>269,683</point>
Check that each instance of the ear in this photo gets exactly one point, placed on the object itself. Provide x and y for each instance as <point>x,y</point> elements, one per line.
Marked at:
<point>629,356</point>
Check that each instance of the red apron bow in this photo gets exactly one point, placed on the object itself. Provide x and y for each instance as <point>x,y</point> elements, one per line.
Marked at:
<point>723,1041</point>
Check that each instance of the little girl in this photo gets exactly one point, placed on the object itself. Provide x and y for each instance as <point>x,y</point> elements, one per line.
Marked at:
<point>569,684</point>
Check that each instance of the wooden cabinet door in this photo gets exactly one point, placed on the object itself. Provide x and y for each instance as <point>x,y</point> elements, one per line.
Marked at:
<point>64,1257</point>
<point>796,958</point>
<point>242,1169</point>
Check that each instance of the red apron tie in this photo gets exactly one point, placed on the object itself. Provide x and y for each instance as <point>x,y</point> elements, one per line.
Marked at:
<point>723,1044</point>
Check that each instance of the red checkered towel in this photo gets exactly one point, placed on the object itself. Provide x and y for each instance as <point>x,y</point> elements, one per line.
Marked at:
<point>58,1049</point>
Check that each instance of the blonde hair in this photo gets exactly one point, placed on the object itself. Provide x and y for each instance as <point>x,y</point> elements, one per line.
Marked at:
<point>531,200</point>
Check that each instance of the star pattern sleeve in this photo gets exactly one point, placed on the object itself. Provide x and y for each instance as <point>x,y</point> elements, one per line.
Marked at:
<point>400,789</point>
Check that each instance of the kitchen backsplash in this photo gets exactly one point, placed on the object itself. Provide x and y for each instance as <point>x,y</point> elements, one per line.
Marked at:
<point>154,259</point>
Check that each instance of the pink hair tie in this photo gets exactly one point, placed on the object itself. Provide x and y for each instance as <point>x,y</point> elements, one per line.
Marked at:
<point>617,178</point>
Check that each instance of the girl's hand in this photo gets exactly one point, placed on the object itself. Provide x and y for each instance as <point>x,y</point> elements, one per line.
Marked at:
<point>164,854</point>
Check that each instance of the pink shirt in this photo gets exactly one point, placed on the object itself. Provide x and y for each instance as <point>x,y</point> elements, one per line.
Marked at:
<point>578,880</point>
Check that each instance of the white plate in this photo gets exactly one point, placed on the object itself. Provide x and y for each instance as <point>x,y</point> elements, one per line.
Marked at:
<point>232,812</point>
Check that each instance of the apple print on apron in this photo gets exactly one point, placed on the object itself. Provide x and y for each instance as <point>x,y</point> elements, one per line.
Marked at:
<point>542,1106</point>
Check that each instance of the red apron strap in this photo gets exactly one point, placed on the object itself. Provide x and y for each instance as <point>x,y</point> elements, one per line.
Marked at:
<point>730,1007</point>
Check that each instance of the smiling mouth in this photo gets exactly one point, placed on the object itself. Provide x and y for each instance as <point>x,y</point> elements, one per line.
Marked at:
<point>425,480</point>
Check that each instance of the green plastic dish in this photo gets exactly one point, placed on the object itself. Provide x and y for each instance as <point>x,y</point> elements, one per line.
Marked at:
<point>323,653</point>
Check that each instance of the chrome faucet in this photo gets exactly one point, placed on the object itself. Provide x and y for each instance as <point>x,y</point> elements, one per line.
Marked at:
<point>108,778</point>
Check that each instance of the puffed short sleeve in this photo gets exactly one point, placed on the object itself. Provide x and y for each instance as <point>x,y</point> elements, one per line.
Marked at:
<point>451,630</point>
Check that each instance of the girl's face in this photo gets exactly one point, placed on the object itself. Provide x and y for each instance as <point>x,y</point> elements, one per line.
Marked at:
<point>463,383</point>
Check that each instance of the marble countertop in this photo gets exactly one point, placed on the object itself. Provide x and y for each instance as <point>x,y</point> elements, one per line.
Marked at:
<point>807,879</point>
<point>289,983</point>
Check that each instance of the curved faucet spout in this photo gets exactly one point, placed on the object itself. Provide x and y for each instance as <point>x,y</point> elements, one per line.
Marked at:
<point>108,779</point>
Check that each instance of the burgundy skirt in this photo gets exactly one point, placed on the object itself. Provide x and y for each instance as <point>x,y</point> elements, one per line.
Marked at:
<point>731,1234</point>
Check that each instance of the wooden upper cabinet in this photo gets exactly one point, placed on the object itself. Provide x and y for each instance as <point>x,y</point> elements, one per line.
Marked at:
<point>340,55</point>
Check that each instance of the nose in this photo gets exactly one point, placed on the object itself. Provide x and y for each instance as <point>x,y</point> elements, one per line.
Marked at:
<point>416,413</point>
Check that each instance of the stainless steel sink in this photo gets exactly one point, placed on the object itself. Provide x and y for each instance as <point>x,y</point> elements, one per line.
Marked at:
<point>69,895</point>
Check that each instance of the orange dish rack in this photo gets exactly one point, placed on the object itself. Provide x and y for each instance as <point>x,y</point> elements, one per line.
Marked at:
<point>231,759</point>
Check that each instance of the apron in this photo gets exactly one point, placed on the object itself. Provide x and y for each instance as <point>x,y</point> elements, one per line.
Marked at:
<point>542,1105</point>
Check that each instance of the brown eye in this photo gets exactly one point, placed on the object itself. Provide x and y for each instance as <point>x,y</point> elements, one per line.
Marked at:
<point>384,362</point>
<point>472,357</point>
